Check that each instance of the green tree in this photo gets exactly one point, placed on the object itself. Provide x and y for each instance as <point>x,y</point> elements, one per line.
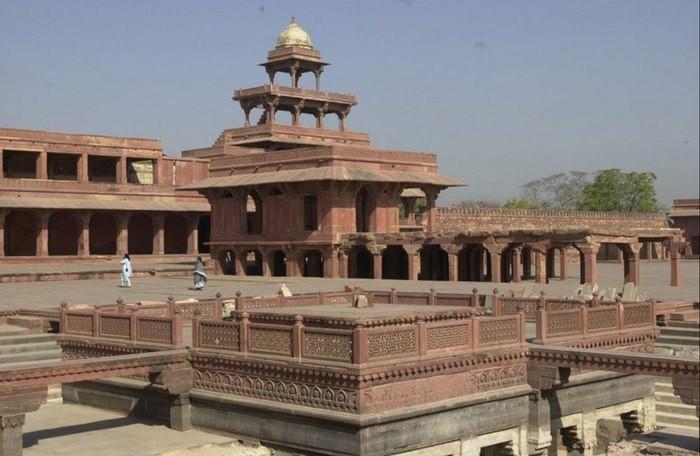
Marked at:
<point>519,203</point>
<point>614,190</point>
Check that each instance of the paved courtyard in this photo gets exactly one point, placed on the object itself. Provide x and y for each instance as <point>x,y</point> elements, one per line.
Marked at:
<point>35,295</point>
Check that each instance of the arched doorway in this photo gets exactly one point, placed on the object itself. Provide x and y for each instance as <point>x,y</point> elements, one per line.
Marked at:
<point>175,227</point>
<point>313,263</point>
<point>434,263</point>
<point>362,211</point>
<point>254,213</point>
<point>103,235</point>
<point>64,233</point>
<point>253,263</point>
<point>203,233</point>
<point>395,263</point>
<point>140,234</point>
<point>279,264</point>
<point>361,263</point>
<point>21,232</point>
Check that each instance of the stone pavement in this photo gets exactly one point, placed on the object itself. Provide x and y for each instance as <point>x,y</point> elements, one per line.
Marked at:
<point>71,429</point>
<point>655,277</point>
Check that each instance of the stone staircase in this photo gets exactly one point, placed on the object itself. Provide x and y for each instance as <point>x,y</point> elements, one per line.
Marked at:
<point>19,346</point>
<point>681,337</point>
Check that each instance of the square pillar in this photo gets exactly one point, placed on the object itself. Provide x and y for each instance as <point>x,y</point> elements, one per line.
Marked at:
<point>540,267</point>
<point>193,236</point>
<point>453,266</point>
<point>342,264</point>
<point>240,259</point>
<point>122,234</point>
<point>2,227</point>
<point>330,263</point>
<point>158,234</point>
<point>181,413</point>
<point>83,170</point>
<point>631,263</point>
<point>563,264</point>
<point>517,265</point>
<point>122,176</point>
<point>267,259</point>
<point>42,166</point>
<point>377,257</point>
<point>413,262</point>
<point>589,259</point>
<point>42,240</point>
<point>675,267</point>
<point>84,238</point>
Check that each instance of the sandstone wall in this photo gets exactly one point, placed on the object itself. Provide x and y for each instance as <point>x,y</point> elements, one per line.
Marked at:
<point>458,219</point>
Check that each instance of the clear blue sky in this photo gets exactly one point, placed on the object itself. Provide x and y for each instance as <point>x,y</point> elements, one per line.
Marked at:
<point>503,91</point>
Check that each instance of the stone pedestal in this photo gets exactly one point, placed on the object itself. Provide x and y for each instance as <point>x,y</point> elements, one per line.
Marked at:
<point>11,435</point>
<point>181,413</point>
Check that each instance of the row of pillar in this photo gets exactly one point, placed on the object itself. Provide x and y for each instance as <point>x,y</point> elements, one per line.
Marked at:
<point>122,221</point>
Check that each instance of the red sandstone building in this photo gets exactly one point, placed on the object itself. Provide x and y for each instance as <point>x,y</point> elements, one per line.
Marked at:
<point>292,199</point>
<point>70,195</point>
<point>685,214</point>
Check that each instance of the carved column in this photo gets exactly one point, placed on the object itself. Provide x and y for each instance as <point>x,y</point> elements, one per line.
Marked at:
<point>122,176</point>
<point>122,234</point>
<point>84,238</point>
<point>413,252</point>
<point>11,434</point>
<point>193,235</point>
<point>342,263</point>
<point>42,240</point>
<point>317,74</point>
<point>14,404</point>
<point>431,211</point>
<point>241,262</point>
<point>539,432</point>
<point>266,259</point>
<point>563,263</point>
<point>332,265</point>
<point>590,264</point>
<point>453,262</point>
<point>631,265</point>
<point>495,252</point>
<point>517,264</point>
<point>321,115</point>
<point>377,252</point>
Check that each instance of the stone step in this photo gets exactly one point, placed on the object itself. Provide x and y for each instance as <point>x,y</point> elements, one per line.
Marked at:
<point>27,347</point>
<point>680,331</point>
<point>683,324</point>
<point>55,393</point>
<point>55,354</point>
<point>34,324</point>
<point>26,338</point>
<point>677,340</point>
<point>684,410</point>
<point>666,398</point>
<point>668,419</point>
<point>11,330</point>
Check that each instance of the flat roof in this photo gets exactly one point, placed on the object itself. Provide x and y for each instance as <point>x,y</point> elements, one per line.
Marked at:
<point>103,204</point>
<point>347,311</point>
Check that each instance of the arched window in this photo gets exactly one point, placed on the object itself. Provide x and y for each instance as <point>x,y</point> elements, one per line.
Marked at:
<point>254,211</point>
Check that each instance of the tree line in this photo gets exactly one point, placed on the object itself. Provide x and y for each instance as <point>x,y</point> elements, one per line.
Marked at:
<point>605,190</point>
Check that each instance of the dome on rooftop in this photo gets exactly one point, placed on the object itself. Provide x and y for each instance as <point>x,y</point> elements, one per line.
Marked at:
<point>293,35</point>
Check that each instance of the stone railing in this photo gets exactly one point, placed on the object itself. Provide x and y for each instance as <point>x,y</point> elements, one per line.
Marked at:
<point>507,305</point>
<point>357,342</point>
<point>208,308</point>
<point>131,327</point>
<point>279,300</point>
<point>584,322</point>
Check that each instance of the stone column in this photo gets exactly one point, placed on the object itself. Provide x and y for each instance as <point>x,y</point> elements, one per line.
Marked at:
<point>42,166</point>
<point>317,74</point>
<point>343,263</point>
<point>377,257</point>
<point>122,175</point>
<point>527,264</point>
<point>431,210</point>
<point>266,258</point>
<point>413,252</point>
<point>122,234</point>
<point>631,265</point>
<point>453,265</point>
<point>539,432</point>
<point>240,259</point>
<point>84,238</point>
<point>332,264</point>
<point>42,240</point>
<point>158,234</point>
<point>14,404</point>
<point>675,265</point>
<point>495,251</point>
<point>517,264</point>
<point>180,412</point>
<point>193,235</point>
<point>563,263</point>
<point>540,267</point>
<point>590,263</point>
<point>83,169</point>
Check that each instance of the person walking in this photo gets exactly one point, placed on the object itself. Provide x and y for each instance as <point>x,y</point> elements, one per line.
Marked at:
<point>199,276</point>
<point>126,271</point>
